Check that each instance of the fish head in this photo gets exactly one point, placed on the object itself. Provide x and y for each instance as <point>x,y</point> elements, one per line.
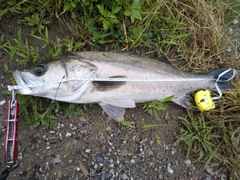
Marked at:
<point>50,73</point>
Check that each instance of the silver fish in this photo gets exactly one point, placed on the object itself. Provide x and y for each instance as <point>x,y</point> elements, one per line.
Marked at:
<point>113,96</point>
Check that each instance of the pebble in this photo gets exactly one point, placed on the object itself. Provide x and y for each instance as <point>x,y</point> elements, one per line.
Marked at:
<point>100,158</point>
<point>57,161</point>
<point>68,134</point>
<point>87,151</point>
<point>92,172</point>
<point>229,49</point>
<point>235,21</point>
<point>169,169</point>
<point>132,161</point>
<point>209,170</point>
<point>160,176</point>
<point>2,102</point>
<point>187,162</point>
<point>124,176</point>
<point>142,170</point>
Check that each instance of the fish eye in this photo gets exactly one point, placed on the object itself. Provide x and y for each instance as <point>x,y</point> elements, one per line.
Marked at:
<point>39,70</point>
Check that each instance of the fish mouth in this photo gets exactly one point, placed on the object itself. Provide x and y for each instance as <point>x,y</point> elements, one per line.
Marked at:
<point>22,81</point>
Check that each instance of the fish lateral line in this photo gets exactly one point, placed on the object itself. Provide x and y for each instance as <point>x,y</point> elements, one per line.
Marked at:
<point>23,86</point>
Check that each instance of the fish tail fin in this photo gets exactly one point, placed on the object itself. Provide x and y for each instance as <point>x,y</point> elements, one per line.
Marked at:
<point>223,77</point>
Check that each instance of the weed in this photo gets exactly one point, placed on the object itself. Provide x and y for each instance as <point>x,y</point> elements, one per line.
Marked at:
<point>133,11</point>
<point>22,49</point>
<point>154,106</point>
<point>127,123</point>
<point>36,24</point>
<point>145,126</point>
<point>208,139</point>
<point>158,140</point>
<point>5,67</point>
<point>34,113</point>
<point>72,109</point>
<point>42,37</point>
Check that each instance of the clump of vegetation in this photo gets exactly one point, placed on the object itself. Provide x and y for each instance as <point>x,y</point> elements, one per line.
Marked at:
<point>193,33</point>
<point>155,106</point>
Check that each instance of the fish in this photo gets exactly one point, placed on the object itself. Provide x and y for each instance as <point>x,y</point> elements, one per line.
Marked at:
<point>114,96</point>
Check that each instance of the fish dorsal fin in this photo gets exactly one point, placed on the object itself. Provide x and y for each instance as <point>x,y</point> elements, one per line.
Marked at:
<point>129,53</point>
<point>108,85</point>
<point>164,59</point>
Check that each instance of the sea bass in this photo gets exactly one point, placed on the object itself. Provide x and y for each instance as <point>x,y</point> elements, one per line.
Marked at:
<point>114,96</point>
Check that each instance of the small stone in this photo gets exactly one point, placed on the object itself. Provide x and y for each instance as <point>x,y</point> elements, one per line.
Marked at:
<point>132,161</point>
<point>108,128</point>
<point>169,169</point>
<point>87,151</point>
<point>142,170</point>
<point>111,161</point>
<point>124,177</point>
<point>52,132</point>
<point>229,49</point>
<point>20,156</point>
<point>68,134</point>
<point>95,166</point>
<point>57,161</point>
<point>209,170</point>
<point>48,147</point>
<point>100,158</point>
<point>160,176</point>
<point>174,134</point>
<point>84,159</point>
<point>2,102</point>
<point>187,162</point>
<point>92,172</point>
<point>235,21</point>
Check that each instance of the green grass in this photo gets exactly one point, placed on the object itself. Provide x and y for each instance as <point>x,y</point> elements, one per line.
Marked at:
<point>192,33</point>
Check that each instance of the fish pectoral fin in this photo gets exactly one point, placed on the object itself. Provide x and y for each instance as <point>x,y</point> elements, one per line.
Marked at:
<point>108,85</point>
<point>183,101</point>
<point>113,111</point>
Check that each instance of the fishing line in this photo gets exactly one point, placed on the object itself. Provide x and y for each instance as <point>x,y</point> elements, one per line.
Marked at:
<point>219,80</point>
<point>58,88</point>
